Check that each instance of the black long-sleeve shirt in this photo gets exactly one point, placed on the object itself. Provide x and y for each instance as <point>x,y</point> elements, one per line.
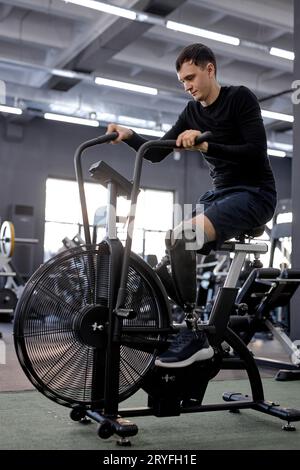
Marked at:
<point>237,154</point>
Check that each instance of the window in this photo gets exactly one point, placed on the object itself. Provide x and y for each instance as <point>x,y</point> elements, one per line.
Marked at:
<point>63,218</point>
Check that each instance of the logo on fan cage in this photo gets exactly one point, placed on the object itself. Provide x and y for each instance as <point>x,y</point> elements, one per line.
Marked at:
<point>168,378</point>
<point>96,327</point>
<point>2,352</point>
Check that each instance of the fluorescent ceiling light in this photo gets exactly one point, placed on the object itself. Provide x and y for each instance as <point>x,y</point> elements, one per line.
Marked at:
<point>10,110</point>
<point>105,8</point>
<point>131,121</point>
<point>276,153</point>
<point>184,28</point>
<point>284,218</point>
<point>126,86</point>
<point>140,130</point>
<point>290,55</point>
<point>278,116</point>
<point>64,73</point>
<point>280,146</point>
<point>71,119</point>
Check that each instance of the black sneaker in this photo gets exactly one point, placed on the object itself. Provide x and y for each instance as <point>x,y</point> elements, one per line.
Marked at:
<point>188,347</point>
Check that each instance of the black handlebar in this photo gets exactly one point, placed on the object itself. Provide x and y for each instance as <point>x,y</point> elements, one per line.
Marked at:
<point>79,176</point>
<point>135,189</point>
<point>204,137</point>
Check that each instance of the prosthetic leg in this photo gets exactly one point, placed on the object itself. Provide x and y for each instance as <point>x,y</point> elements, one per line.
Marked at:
<point>182,243</point>
<point>190,344</point>
<point>183,267</point>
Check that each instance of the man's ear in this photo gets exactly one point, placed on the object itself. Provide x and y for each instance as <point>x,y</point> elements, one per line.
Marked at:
<point>211,70</point>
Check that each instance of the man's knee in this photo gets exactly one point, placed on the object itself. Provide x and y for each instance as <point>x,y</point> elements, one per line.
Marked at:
<point>194,233</point>
<point>202,223</point>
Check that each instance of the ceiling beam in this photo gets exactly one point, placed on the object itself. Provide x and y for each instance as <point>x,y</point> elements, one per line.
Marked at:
<point>37,30</point>
<point>241,52</point>
<point>277,14</point>
<point>233,75</point>
<point>121,33</point>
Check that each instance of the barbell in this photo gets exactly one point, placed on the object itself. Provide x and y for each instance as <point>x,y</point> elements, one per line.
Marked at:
<point>8,239</point>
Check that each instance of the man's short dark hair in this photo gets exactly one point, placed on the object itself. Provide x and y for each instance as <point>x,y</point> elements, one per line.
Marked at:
<point>198,54</point>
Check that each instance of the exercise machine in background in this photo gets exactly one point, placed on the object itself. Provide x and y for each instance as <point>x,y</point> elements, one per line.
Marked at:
<point>11,282</point>
<point>281,235</point>
<point>265,291</point>
<point>212,270</point>
<point>263,302</point>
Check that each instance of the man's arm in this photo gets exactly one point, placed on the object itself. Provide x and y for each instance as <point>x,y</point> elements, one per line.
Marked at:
<point>250,127</point>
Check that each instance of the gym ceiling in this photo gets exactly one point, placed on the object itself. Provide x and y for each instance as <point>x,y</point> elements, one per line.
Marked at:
<point>51,51</point>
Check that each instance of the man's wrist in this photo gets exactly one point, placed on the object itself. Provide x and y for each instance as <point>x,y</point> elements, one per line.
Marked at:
<point>130,135</point>
<point>204,148</point>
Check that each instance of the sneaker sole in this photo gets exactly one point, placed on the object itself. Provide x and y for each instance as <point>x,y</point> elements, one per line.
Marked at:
<point>201,355</point>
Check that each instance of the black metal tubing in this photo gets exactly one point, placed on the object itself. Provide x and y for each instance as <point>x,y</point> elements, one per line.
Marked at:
<point>274,364</point>
<point>136,183</point>
<point>79,176</point>
<point>134,194</point>
<point>249,364</point>
<point>147,411</point>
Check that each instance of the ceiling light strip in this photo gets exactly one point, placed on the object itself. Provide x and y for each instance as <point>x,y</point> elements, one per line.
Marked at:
<point>276,153</point>
<point>126,86</point>
<point>277,116</point>
<point>105,8</point>
<point>280,146</point>
<point>143,131</point>
<point>290,55</point>
<point>10,110</point>
<point>71,119</point>
<point>184,28</point>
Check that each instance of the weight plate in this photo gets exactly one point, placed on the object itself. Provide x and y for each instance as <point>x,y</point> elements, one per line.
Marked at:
<point>7,239</point>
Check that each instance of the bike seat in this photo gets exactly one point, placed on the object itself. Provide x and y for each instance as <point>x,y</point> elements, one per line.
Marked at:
<point>252,233</point>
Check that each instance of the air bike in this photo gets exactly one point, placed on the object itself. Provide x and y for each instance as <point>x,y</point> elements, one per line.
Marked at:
<point>92,320</point>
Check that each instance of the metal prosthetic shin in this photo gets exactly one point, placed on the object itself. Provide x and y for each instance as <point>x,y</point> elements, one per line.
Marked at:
<point>183,266</point>
<point>162,271</point>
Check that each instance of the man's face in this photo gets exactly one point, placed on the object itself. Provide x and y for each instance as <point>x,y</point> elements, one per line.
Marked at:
<point>197,80</point>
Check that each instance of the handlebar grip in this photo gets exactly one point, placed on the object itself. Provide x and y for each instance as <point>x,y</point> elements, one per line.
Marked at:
<point>205,137</point>
<point>110,137</point>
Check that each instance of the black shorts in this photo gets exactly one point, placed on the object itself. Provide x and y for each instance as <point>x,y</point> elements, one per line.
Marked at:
<point>234,210</point>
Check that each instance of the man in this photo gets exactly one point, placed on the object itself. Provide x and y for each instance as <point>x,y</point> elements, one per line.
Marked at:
<point>243,195</point>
